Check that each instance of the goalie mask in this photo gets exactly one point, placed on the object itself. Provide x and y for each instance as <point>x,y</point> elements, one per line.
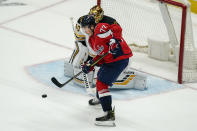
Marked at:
<point>97,12</point>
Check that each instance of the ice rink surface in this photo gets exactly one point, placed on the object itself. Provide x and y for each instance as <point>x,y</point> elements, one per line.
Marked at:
<point>34,32</point>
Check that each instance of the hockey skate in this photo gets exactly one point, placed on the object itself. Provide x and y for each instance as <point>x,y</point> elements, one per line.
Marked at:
<point>93,102</point>
<point>106,120</point>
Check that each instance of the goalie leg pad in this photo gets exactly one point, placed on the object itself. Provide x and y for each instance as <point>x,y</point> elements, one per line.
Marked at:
<point>80,56</point>
<point>140,81</point>
<point>68,69</point>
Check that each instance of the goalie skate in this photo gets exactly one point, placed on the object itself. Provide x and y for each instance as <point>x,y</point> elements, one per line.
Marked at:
<point>107,120</point>
<point>94,101</point>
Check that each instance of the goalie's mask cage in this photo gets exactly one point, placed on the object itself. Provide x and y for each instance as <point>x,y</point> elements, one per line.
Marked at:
<point>159,28</point>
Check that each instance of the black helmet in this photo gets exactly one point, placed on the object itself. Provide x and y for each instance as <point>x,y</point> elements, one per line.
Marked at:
<point>88,20</point>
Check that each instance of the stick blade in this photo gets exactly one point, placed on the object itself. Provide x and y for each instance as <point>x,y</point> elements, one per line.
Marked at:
<point>56,82</point>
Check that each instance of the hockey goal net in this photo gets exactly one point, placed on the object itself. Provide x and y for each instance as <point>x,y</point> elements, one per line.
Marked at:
<point>161,29</point>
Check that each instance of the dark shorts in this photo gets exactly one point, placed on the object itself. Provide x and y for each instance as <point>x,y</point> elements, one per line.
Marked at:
<point>108,73</point>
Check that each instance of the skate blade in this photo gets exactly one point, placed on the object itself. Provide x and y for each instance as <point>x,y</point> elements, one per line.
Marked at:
<point>105,123</point>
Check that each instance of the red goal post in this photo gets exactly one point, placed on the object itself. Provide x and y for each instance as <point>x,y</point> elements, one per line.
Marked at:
<point>182,37</point>
<point>187,76</point>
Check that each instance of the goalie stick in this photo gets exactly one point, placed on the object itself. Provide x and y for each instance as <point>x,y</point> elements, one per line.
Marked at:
<point>71,58</point>
<point>60,85</point>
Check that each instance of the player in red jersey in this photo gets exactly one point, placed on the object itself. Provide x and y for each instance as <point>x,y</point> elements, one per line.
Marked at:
<point>105,38</point>
<point>82,51</point>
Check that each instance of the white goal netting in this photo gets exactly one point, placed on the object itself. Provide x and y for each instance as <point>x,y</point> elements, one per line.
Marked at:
<point>154,27</point>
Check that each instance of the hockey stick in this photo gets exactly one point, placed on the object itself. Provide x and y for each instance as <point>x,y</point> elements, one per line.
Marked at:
<point>60,85</point>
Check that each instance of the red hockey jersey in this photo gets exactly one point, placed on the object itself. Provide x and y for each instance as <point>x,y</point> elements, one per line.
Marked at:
<point>100,40</point>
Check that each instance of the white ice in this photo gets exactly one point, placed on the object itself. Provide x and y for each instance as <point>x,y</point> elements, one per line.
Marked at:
<point>41,31</point>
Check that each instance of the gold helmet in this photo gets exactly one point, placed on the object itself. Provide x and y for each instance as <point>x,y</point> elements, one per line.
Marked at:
<point>98,12</point>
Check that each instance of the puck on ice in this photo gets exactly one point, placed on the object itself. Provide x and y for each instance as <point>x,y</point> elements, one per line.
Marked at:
<point>44,95</point>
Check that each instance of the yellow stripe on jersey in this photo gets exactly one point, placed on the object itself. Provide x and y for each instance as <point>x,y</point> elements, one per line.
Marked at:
<point>79,37</point>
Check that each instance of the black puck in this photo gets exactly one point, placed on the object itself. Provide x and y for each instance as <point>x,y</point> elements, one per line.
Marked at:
<point>44,95</point>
